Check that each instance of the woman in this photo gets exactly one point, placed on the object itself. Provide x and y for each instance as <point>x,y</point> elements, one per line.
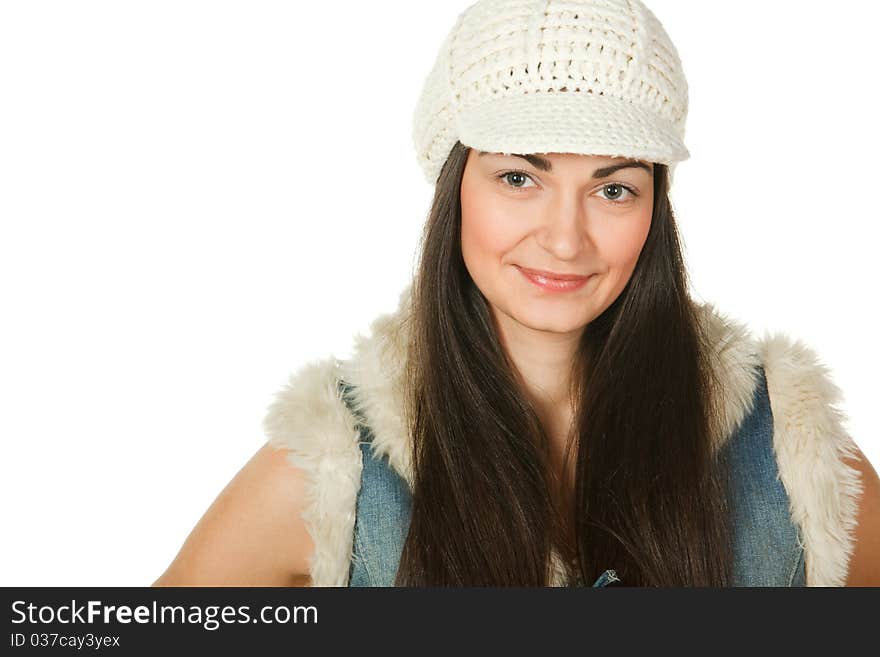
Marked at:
<point>547,406</point>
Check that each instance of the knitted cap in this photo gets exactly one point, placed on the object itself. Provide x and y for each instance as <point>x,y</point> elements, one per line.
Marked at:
<point>597,77</point>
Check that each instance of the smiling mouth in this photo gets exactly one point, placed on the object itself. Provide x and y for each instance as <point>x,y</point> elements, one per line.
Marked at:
<point>554,284</point>
<point>553,275</point>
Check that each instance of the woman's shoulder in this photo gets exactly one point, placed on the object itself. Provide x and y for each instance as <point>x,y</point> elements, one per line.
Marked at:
<point>309,420</point>
<point>250,535</point>
<point>317,417</point>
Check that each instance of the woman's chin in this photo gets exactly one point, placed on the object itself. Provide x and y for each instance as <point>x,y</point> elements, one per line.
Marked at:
<point>562,323</point>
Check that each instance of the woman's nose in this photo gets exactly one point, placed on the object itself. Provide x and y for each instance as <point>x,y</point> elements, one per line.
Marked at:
<point>563,229</point>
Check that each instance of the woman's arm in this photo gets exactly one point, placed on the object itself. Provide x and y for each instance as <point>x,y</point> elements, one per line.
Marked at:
<point>864,566</point>
<point>252,534</point>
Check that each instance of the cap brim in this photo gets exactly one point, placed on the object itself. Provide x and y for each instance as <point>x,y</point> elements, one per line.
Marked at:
<point>570,122</point>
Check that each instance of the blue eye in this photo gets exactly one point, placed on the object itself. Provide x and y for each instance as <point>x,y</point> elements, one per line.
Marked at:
<point>628,192</point>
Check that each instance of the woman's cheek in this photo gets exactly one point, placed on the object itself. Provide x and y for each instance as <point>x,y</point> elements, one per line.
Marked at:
<point>620,247</point>
<point>486,237</point>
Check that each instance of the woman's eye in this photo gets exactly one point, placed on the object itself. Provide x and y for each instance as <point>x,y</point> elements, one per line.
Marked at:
<point>617,193</point>
<point>515,179</point>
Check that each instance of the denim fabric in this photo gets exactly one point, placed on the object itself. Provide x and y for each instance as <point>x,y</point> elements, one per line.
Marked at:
<point>382,520</point>
<point>767,544</point>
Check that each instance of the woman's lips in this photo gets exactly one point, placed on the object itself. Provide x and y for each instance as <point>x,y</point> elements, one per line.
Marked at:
<point>554,282</point>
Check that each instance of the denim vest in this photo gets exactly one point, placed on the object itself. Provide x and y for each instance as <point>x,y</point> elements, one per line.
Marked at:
<point>767,544</point>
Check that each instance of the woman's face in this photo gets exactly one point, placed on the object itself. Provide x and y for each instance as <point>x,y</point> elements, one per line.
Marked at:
<point>575,217</point>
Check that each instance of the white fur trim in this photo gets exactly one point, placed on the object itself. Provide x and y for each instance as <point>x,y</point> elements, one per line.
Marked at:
<point>376,369</point>
<point>734,364</point>
<point>308,418</point>
<point>810,444</point>
<point>311,420</point>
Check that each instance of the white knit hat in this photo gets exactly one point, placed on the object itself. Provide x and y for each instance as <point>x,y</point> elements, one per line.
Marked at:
<point>597,77</point>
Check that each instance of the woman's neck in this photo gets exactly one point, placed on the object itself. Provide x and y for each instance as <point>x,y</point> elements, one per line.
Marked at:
<point>543,360</point>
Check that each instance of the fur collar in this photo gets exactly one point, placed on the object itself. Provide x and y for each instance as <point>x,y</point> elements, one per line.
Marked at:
<point>309,419</point>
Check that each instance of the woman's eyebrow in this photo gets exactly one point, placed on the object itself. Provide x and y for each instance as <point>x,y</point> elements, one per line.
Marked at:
<point>607,171</point>
<point>545,165</point>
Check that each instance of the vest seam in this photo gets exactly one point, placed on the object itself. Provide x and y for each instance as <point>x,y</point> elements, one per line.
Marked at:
<point>799,563</point>
<point>797,567</point>
<point>364,562</point>
<point>360,553</point>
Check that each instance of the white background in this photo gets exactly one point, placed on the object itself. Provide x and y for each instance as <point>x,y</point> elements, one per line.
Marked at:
<point>198,197</point>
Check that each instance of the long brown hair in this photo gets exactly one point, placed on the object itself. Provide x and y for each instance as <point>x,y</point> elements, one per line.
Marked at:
<point>487,509</point>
